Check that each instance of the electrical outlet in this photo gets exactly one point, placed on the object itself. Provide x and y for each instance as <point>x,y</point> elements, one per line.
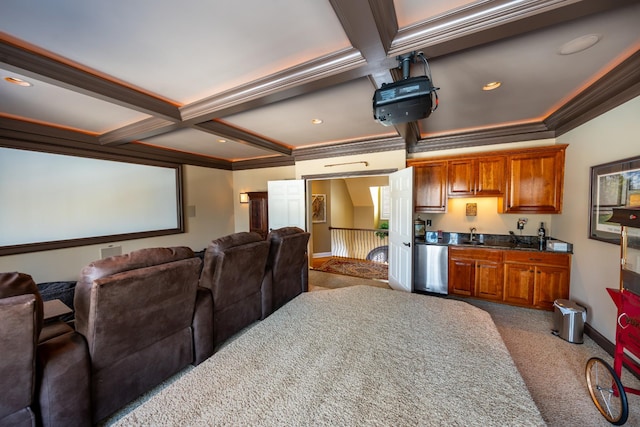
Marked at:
<point>521,223</point>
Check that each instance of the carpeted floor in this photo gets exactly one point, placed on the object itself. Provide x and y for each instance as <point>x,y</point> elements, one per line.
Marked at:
<point>357,268</point>
<point>354,356</point>
<point>552,368</point>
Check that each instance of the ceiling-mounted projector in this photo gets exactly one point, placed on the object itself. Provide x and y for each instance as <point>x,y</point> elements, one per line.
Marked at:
<point>406,100</point>
<point>403,101</point>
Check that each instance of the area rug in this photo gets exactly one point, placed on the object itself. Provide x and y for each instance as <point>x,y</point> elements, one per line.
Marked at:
<point>357,356</point>
<point>356,268</point>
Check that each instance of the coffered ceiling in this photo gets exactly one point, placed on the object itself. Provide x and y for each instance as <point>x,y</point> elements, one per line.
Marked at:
<point>236,85</point>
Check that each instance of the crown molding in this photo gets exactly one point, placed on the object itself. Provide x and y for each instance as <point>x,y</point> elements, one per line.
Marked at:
<point>267,162</point>
<point>499,135</point>
<point>615,88</point>
<point>349,148</point>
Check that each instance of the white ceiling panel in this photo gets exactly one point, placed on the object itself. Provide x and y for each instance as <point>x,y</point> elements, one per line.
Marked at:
<point>180,51</point>
<point>345,110</point>
<point>46,103</point>
<point>410,12</point>
<point>195,141</point>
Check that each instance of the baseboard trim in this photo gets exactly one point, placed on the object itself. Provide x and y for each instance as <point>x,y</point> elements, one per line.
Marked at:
<point>322,255</point>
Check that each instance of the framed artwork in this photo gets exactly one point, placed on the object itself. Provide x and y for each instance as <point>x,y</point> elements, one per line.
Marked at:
<point>318,208</point>
<point>613,185</point>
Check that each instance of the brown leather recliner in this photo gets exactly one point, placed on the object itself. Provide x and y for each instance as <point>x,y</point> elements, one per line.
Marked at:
<point>287,273</point>
<point>44,377</point>
<point>233,269</point>
<point>144,319</point>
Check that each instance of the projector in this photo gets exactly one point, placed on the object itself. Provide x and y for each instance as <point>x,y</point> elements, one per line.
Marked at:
<point>403,101</point>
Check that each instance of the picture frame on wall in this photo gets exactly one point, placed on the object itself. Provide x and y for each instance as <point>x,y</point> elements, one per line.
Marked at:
<point>318,208</point>
<point>614,184</point>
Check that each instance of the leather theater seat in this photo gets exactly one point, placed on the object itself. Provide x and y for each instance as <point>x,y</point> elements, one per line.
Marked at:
<point>144,319</point>
<point>287,272</point>
<point>234,267</point>
<point>44,376</point>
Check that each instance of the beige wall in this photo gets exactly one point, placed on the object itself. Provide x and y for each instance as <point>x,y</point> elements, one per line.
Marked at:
<point>209,190</point>
<point>610,137</point>
<point>254,180</point>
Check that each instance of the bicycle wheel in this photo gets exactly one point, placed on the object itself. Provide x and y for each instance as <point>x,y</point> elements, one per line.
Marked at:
<point>606,391</point>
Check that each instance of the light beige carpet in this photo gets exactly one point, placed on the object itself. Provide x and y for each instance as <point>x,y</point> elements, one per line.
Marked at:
<point>354,356</point>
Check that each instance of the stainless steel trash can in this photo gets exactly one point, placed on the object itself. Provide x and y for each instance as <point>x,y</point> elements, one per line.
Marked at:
<point>568,320</point>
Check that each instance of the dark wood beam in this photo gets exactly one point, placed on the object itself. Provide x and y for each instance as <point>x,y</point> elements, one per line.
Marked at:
<point>146,128</point>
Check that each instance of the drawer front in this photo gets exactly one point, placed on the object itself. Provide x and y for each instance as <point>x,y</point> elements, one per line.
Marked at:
<point>538,258</point>
<point>475,253</point>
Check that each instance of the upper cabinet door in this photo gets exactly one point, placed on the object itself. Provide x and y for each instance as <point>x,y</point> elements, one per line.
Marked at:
<point>430,186</point>
<point>482,176</point>
<point>491,179</point>
<point>535,182</point>
<point>462,177</point>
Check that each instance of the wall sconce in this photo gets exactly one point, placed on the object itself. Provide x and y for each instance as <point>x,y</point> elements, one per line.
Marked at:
<point>244,198</point>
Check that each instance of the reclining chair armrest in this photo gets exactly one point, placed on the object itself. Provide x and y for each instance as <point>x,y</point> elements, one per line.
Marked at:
<point>267,293</point>
<point>63,391</point>
<point>202,326</point>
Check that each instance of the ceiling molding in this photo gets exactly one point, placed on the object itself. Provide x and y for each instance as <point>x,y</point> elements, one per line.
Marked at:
<point>142,129</point>
<point>227,131</point>
<point>26,127</point>
<point>74,78</point>
<point>177,156</point>
<point>499,135</point>
<point>615,88</point>
<point>268,162</point>
<point>349,148</point>
<point>218,105</point>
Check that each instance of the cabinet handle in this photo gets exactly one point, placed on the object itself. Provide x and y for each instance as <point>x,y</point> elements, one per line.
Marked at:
<point>538,272</point>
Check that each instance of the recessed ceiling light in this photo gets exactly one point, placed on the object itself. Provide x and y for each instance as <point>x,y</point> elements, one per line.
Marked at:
<point>17,81</point>
<point>317,121</point>
<point>222,140</point>
<point>579,44</point>
<point>491,86</point>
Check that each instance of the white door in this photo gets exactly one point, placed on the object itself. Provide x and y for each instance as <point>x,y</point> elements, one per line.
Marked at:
<point>287,203</point>
<point>401,230</point>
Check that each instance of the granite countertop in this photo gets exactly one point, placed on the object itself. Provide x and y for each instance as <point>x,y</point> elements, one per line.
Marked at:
<point>488,241</point>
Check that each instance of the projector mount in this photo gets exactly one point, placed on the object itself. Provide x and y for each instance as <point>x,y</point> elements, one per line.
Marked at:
<point>411,58</point>
<point>406,100</point>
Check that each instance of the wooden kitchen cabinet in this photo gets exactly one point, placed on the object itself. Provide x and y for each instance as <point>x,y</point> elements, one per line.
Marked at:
<point>483,176</point>
<point>535,181</point>
<point>430,183</point>
<point>536,279</point>
<point>476,273</point>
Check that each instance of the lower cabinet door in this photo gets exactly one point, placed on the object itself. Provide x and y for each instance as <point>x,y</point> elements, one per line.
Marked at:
<point>489,283</point>
<point>552,283</point>
<point>519,282</point>
<point>461,277</point>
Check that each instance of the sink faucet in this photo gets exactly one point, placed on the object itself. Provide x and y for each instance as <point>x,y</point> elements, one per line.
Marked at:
<point>473,233</point>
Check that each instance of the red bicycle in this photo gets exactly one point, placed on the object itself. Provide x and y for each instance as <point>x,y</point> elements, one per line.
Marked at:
<point>605,387</point>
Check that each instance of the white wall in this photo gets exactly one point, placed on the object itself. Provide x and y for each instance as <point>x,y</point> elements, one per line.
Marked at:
<point>209,190</point>
<point>610,137</point>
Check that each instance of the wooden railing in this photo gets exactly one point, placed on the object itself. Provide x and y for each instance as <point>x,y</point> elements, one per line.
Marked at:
<point>356,242</point>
